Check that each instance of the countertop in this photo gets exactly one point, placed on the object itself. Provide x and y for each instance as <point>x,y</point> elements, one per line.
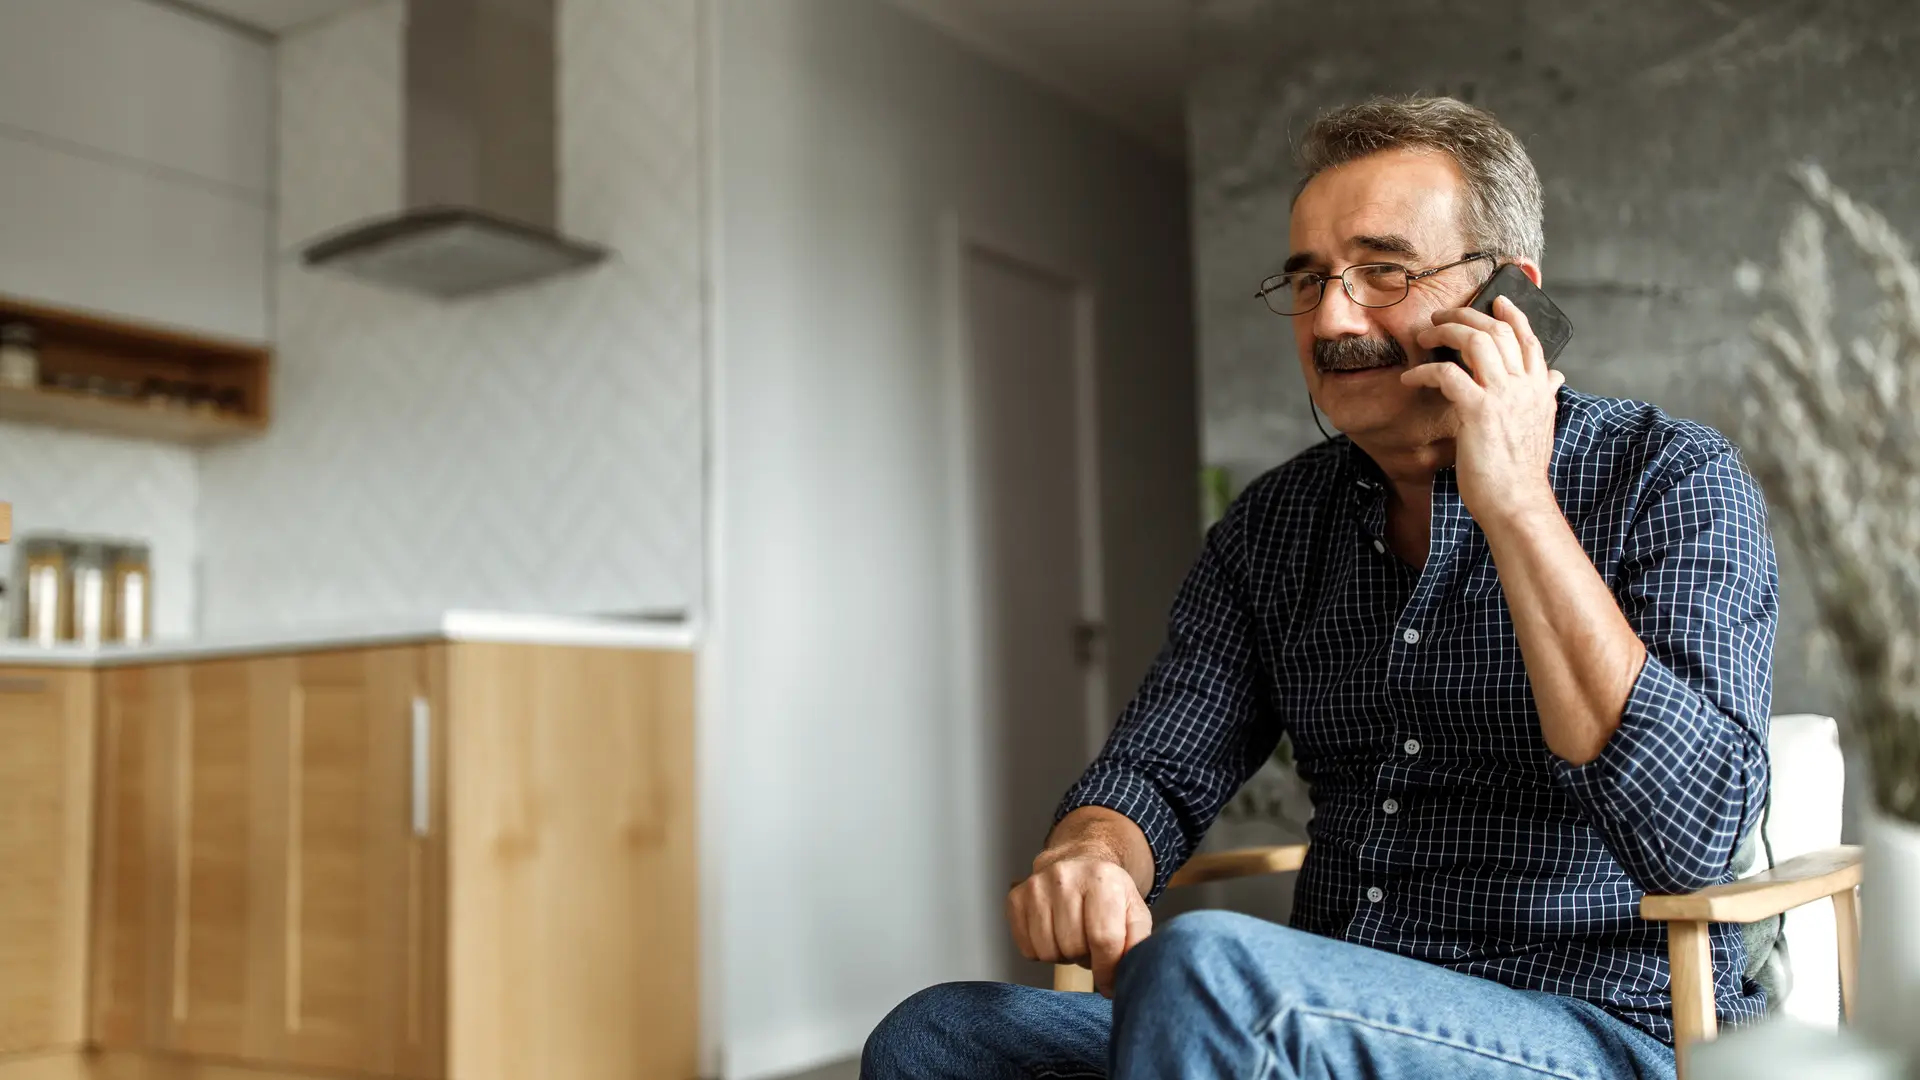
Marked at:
<point>585,631</point>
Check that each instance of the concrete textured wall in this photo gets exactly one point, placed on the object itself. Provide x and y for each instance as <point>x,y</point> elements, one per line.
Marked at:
<point>1663,133</point>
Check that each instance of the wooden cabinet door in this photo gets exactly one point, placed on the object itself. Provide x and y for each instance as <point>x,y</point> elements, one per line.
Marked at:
<point>218,884</point>
<point>576,941</point>
<point>272,871</point>
<point>356,930</point>
<point>140,709</point>
<point>46,817</point>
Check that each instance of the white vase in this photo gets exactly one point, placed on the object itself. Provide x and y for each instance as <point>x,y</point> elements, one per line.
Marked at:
<point>1785,1049</point>
<point>1889,1008</point>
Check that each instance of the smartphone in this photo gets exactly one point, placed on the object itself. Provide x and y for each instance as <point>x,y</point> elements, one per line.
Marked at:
<point>1549,323</point>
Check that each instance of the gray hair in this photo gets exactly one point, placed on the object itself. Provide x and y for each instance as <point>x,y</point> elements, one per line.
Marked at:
<point>1503,212</point>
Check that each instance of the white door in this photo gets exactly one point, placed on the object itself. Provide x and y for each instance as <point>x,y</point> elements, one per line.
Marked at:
<point>1033,494</point>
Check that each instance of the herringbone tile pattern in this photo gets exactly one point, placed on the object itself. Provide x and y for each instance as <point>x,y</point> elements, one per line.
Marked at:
<point>536,450</point>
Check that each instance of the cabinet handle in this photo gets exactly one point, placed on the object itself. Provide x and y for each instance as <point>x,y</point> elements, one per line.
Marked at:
<point>422,766</point>
<point>22,684</point>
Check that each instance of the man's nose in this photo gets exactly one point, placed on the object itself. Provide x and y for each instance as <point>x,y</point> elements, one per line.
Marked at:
<point>1338,316</point>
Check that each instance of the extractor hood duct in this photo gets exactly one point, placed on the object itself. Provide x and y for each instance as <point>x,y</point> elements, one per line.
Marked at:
<point>482,174</point>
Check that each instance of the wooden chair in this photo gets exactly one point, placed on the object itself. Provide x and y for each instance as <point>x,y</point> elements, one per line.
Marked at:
<point>1831,873</point>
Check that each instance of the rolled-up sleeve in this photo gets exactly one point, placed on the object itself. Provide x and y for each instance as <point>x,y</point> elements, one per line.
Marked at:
<point>1685,775</point>
<point>1198,727</point>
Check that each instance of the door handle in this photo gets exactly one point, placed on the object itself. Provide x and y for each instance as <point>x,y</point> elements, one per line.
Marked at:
<point>422,766</point>
<point>1089,642</point>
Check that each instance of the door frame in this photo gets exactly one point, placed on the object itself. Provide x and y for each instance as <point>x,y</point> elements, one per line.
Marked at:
<point>961,235</point>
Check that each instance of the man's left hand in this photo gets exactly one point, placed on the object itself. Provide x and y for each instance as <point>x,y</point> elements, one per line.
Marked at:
<point>1505,408</point>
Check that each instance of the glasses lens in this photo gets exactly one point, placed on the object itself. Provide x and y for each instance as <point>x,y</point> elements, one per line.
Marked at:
<point>1377,284</point>
<point>1291,294</point>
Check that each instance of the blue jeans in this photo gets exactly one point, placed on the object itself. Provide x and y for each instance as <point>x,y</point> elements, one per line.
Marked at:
<point>1214,994</point>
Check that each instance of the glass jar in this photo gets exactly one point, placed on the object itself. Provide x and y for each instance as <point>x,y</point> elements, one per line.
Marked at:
<point>132,594</point>
<point>19,357</point>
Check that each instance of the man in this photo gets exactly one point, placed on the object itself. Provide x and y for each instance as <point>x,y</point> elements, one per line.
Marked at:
<point>1521,640</point>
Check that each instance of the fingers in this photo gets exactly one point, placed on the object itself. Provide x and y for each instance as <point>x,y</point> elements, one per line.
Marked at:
<point>1069,927</point>
<point>1532,355</point>
<point>1106,928</point>
<point>1043,914</point>
<point>1481,348</point>
<point>1139,927</point>
<point>1040,930</point>
<point>1502,335</point>
<point>1017,921</point>
<point>1078,911</point>
<point>1457,385</point>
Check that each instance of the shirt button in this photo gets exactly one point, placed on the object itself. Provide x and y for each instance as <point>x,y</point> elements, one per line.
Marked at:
<point>1391,806</point>
<point>1376,894</point>
<point>1411,637</point>
<point>1411,746</point>
<point>1379,547</point>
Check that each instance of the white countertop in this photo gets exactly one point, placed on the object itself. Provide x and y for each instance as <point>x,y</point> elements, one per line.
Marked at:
<point>585,631</point>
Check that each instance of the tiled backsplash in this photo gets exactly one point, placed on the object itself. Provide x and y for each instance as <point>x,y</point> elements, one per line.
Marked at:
<point>538,449</point>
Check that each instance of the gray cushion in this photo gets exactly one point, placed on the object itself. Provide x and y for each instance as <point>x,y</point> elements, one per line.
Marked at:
<point>1767,962</point>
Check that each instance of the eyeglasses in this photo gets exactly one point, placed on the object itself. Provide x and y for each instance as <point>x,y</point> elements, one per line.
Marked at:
<point>1371,285</point>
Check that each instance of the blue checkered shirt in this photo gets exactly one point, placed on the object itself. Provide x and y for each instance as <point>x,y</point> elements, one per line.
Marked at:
<point>1444,829</point>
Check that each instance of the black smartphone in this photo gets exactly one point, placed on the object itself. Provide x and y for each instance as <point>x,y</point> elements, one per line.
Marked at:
<point>1549,323</point>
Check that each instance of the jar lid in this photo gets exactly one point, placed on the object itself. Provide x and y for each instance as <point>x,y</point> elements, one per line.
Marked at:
<point>45,544</point>
<point>128,553</point>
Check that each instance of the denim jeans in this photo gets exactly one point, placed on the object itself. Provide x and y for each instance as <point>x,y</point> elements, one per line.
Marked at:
<point>1214,994</point>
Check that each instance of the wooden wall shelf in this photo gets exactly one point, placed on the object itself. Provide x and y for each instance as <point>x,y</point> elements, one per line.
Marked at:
<point>141,381</point>
<point>110,416</point>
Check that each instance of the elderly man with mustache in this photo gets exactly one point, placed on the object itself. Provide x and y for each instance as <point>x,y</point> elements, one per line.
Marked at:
<point>1521,638</point>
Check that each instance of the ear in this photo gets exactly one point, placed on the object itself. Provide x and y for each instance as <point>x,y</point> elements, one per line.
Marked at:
<point>1531,268</point>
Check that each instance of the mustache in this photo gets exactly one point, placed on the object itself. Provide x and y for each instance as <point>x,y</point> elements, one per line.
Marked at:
<point>1356,353</point>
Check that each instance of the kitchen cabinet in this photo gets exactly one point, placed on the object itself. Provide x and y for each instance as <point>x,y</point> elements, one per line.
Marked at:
<point>46,816</point>
<point>137,143</point>
<point>300,855</point>
<point>139,712</point>
<point>268,866</point>
<point>574,929</point>
<point>356,860</point>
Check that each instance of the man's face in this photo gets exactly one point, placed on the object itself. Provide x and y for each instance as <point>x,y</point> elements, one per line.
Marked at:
<point>1397,206</point>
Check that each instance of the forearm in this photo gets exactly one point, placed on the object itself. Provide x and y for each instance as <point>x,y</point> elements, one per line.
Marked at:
<point>1581,654</point>
<point>1657,715</point>
<point>1104,833</point>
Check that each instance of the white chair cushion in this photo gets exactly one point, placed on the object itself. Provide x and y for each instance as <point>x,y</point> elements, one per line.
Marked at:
<point>1809,781</point>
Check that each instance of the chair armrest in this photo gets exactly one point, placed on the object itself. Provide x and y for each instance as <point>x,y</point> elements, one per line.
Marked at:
<point>1801,880</point>
<point>1239,863</point>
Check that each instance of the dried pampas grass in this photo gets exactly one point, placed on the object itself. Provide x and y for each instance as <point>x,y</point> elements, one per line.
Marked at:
<point>1831,430</point>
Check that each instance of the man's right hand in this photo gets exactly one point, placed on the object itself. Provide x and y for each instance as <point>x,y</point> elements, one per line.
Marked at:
<point>1083,903</point>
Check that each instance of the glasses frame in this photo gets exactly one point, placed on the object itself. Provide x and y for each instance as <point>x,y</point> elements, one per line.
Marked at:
<point>1347,286</point>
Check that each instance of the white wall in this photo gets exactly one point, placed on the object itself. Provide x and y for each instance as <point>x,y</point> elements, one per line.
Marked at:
<point>835,795</point>
<point>535,450</point>
<point>135,163</point>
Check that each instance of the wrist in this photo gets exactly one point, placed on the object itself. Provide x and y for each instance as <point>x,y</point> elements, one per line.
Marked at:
<point>1096,832</point>
<point>1078,847</point>
<point>1524,512</point>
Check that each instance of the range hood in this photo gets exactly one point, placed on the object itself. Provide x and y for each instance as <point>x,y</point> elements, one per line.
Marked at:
<point>482,176</point>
